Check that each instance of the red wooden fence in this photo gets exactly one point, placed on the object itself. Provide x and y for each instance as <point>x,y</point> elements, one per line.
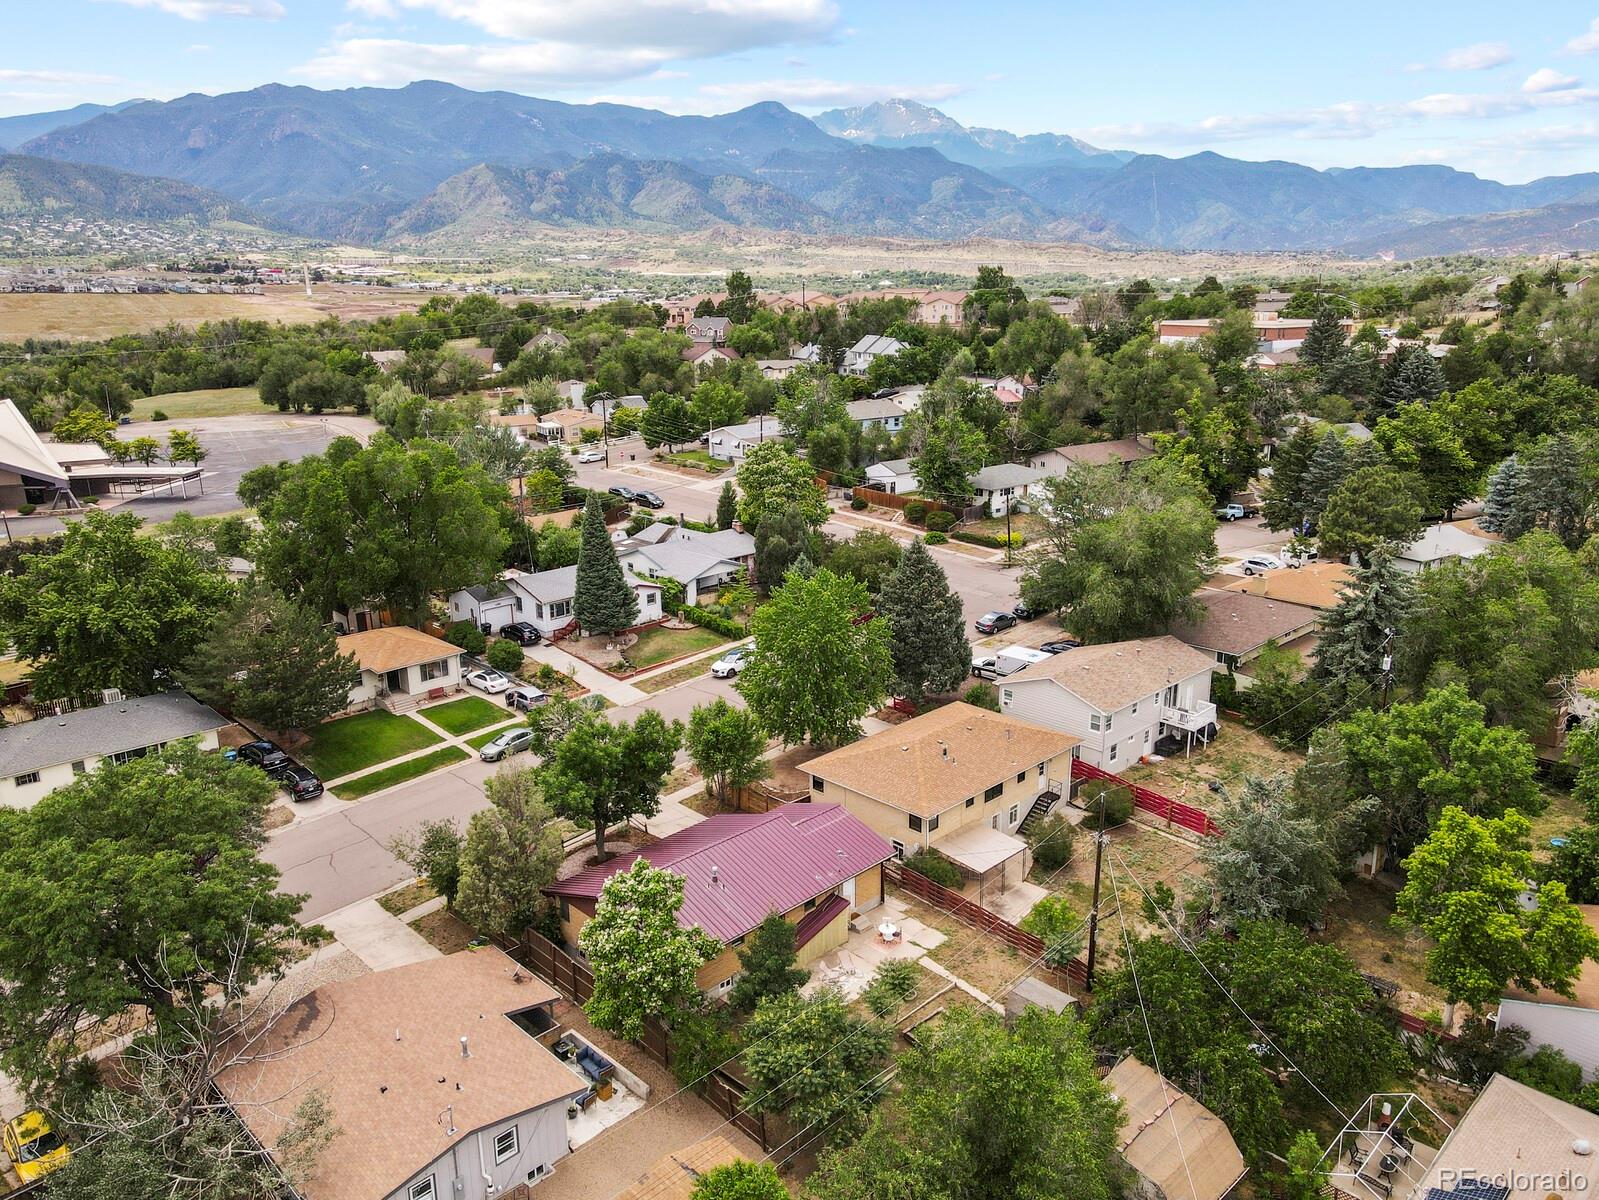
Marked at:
<point>1174,811</point>
<point>958,906</point>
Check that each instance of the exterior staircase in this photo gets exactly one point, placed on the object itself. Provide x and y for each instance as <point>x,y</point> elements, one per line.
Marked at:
<point>1035,815</point>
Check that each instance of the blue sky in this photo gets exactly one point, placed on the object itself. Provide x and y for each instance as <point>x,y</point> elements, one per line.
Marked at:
<point>1510,91</point>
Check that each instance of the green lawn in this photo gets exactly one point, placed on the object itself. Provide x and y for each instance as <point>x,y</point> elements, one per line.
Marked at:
<point>466,714</point>
<point>411,768</point>
<point>657,644</point>
<point>208,402</point>
<point>694,458</point>
<point>364,740</point>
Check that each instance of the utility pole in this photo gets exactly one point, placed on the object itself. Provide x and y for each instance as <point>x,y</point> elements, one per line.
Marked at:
<point>1007,531</point>
<point>1093,909</point>
<point>1387,668</point>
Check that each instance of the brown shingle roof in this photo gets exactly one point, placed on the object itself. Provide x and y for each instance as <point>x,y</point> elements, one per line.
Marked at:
<point>1094,453</point>
<point>938,759</point>
<point>1316,584</point>
<point>1238,623</point>
<point>389,649</point>
<point>385,1092</point>
<point>1172,1139</point>
<point>1523,1139</point>
<point>1114,674</point>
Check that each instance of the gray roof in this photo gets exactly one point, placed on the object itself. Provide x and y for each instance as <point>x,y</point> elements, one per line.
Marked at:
<point>547,586</point>
<point>1005,475</point>
<point>486,591</point>
<point>876,343</point>
<point>110,729</point>
<point>871,409</point>
<point>894,466</point>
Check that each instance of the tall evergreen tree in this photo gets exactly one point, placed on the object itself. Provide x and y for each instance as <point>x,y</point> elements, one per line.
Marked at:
<point>1356,632</point>
<point>1557,493</point>
<point>1414,374</point>
<point>768,964</point>
<point>1328,467</point>
<point>1285,495</point>
<point>927,626</point>
<point>1324,340</point>
<point>602,601</point>
<point>726,506</point>
<point>1501,505</point>
<point>780,541</point>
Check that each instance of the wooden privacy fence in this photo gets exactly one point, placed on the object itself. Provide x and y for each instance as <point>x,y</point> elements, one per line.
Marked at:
<point>1075,972</point>
<point>763,797</point>
<point>1174,812</point>
<point>895,500</point>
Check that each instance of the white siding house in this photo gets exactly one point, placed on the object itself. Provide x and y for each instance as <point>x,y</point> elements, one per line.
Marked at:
<point>731,442</point>
<point>400,668</point>
<point>1005,487</point>
<point>1120,698</point>
<point>894,475</point>
<point>859,357</point>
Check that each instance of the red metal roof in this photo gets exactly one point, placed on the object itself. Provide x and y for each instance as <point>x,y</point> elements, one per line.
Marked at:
<point>738,868</point>
<point>818,919</point>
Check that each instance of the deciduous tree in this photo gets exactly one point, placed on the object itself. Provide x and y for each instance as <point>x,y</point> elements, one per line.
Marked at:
<point>771,480</point>
<point>728,746</point>
<point>1274,859</point>
<point>511,851</point>
<point>604,773</point>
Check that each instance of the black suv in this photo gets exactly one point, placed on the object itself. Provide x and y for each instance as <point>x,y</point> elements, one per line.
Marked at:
<point>521,632</point>
<point>648,499</point>
<point>265,755</point>
<point>300,782</point>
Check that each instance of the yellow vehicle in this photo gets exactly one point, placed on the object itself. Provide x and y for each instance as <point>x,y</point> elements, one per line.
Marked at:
<point>33,1147</point>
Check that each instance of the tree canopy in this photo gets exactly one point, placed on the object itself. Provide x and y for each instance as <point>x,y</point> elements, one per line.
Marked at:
<point>603,773</point>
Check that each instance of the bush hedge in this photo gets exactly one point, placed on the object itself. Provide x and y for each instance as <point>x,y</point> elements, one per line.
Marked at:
<point>941,521</point>
<point>709,620</point>
<point>916,512</point>
<point>467,636</point>
<point>930,864</point>
<point>158,415</point>
<point>857,504</point>
<point>1052,841</point>
<point>993,541</point>
<point>505,655</point>
<point>25,509</point>
<point>935,539</point>
<point>1116,800</point>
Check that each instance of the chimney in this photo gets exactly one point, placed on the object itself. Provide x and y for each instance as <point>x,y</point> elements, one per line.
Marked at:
<point>465,1053</point>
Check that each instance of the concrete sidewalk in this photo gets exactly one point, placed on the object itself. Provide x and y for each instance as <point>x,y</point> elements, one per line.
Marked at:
<point>617,691</point>
<point>376,936</point>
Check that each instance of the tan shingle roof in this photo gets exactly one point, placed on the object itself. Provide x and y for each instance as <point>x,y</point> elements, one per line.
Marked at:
<point>1114,674</point>
<point>907,766</point>
<point>1238,623</point>
<point>389,649</point>
<point>1316,584</point>
<point>1170,1138</point>
<point>1518,1136</point>
<point>386,1094</point>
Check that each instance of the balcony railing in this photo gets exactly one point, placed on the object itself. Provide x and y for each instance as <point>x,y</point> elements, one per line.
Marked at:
<point>1191,719</point>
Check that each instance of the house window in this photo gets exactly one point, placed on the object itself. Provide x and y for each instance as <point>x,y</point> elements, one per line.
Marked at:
<point>1042,765</point>
<point>810,904</point>
<point>899,848</point>
<point>994,791</point>
<point>561,608</point>
<point>1135,708</point>
<point>1113,752</point>
<point>1013,811</point>
<point>725,986</point>
<point>26,778</point>
<point>970,800</point>
<point>423,1189</point>
<point>1004,695</point>
<point>79,767</point>
<point>1146,737</point>
<point>1093,722</point>
<point>505,1145</point>
<point>916,824</point>
<point>932,824</point>
<point>1021,777</point>
<point>435,670</point>
<point>123,756</point>
<point>1109,719</point>
<point>518,601</point>
<point>566,909</point>
<point>539,1172</point>
<point>818,784</point>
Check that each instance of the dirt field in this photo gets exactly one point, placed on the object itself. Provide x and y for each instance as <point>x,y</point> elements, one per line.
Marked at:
<point>88,317</point>
<point>1362,924</point>
<point>1237,751</point>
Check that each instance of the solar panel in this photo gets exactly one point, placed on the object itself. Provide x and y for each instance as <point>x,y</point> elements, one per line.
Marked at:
<point>1470,1189</point>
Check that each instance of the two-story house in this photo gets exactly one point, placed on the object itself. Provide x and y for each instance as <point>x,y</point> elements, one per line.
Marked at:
<point>873,346</point>
<point>1120,698</point>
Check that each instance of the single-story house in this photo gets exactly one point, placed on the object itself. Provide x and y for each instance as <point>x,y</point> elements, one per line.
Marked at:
<point>1568,1023</point>
<point>1122,450</point>
<point>1514,1143</point>
<point>1314,585</point>
<point>400,668</point>
<point>1119,699</point>
<point>46,753</point>
<point>959,779</point>
<point>777,368</point>
<point>1270,303</point>
<point>1176,1147</point>
<point>550,339</point>
<point>605,406</point>
<point>814,864</point>
<point>873,413</point>
<point>1234,627</point>
<point>571,391</point>
<point>387,360</point>
<point>1005,487</point>
<point>526,425</point>
<point>541,598</point>
<point>696,560</point>
<point>439,1086</point>
<point>1067,308</point>
<point>871,347</point>
<point>707,354</point>
<point>568,424</point>
<point>1440,544</point>
<point>482,355</point>
<point>709,329</point>
<point>731,442</point>
<point>893,475</point>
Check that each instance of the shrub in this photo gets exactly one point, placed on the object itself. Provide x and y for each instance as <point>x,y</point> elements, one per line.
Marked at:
<point>1053,842</point>
<point>993,541</point>
<point>930,864</point>
<point>548,678</point>
<point>25,509</point>
<point>505,655</point>
<point>896,981</point>
<point>916,512</point>
<point>91,499</point>
<point>983,695</point>
<point>941,521</point>
<point>467,636</point>
<point>709,620</point>
<point>158,415</point>
<point>1224,690</point>
<point>1115,799</point>
<point>1054,920</point>
<point>935,539</point>
<point>857,504</point>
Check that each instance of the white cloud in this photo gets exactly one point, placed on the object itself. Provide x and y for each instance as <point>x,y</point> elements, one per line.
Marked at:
<point>827,93</point>
<point>12,75</point>
<point>1547,79</point>
<point>392,62</point>
<point>1479,57</point>
<point>1585,43</point>
<point>199,10</point>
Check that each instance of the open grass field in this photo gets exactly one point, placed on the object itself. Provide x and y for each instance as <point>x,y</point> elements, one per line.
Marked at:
<point>466,714</point>
<point>79,317</point>
<point>1237,751</point>
<point>658,644</point>
<point>400,772</point>
<point>364,740</point>
<point>208,402</point>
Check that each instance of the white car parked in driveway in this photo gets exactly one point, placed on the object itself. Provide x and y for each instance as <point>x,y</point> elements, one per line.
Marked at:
<point>731,663</point>
<point>488,681</point>
<point>1256,563</point>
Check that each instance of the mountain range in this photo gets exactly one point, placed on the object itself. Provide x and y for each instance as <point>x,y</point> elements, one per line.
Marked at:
<point>40,186</point>
<point>432,163</point>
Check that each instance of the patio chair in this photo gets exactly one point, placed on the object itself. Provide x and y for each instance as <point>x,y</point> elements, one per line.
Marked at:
<point>595,1065</point>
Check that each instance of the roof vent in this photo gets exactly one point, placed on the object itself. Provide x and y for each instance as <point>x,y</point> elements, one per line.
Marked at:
<point>715,874</point>
<point>1582,1147</point>
<point>465,1053</point>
